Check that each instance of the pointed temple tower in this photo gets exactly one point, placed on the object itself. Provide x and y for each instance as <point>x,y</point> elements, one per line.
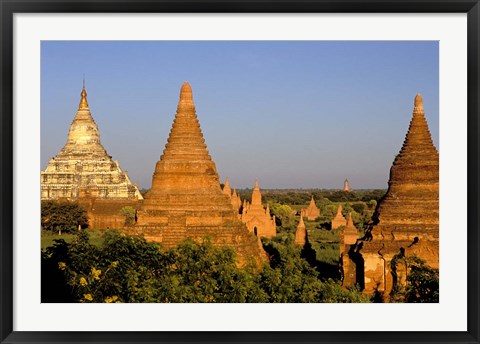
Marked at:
<point>312,212</point>
<point>406,219</point>
<point>83,171</point>
<point>235,200</point>
<point>234,197</point>
<point>301,233</point>
<point>226,188</point>
<point>257,219</point>
<point>346,186</point>
<point>185,200</point>
<point>339,220</point>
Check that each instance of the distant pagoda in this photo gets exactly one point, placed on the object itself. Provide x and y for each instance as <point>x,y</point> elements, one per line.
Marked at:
<point>83,169</point>
<point>406,220</point>
<point>185,200</point>
<point>346,186</point>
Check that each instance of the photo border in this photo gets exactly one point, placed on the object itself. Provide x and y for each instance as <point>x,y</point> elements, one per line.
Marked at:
<point>9,8</point>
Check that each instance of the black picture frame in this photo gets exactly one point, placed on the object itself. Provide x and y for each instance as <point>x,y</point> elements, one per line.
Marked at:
<point>10,7</point>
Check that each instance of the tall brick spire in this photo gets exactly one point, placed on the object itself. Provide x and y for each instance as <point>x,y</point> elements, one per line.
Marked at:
<point>406,219</point>
<point>185,200</point>
<point>412,195</point>
<point>185,163</point>
<point>418,141</point>
<point>186,138</point>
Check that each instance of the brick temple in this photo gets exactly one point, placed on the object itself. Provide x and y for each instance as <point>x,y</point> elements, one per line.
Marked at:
<point>258,219</point>
<point>301,233</point>
<point>185,200</point>
<point>406,220</point>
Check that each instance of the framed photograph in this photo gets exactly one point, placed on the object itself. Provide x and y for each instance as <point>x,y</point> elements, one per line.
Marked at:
<point>333,144</point>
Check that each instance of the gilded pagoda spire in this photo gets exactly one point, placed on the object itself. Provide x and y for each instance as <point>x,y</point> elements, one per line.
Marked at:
<point>83,169</point>
<point>83,140</point>
<point>83,101</point>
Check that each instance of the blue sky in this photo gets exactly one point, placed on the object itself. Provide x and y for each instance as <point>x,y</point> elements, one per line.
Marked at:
<point>294,114</point>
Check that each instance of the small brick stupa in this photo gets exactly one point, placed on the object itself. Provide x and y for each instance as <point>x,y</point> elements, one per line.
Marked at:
<point>338,220</point>
<point>406,219</point>
<point>185,200</point>
<point>301,233</point>
<point>236,200</point>
<point>348,240</point>
<point>312,212</point>
<point>258,219</point>
<point>349,234</point>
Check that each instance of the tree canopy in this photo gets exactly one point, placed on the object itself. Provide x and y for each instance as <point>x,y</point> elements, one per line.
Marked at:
<point>129,269</point>
<point>63,216</point>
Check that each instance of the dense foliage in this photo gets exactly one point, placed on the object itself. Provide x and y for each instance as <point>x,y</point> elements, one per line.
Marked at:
<point>98,266</point>
<point>129,269</point>
<point>129,214</point>
<point>62,217</point>
<point>421,281</point>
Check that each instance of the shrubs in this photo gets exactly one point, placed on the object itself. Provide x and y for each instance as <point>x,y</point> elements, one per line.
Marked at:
<point>129,269</point>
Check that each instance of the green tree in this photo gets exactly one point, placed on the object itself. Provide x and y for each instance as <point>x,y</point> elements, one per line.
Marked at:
<point>422,281</point>
<point>129,214</point>
<point>282,212</point>
<point>67,217</point>
<point>359,207</point>
<point>129,269</point>
<point>372,204</point>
